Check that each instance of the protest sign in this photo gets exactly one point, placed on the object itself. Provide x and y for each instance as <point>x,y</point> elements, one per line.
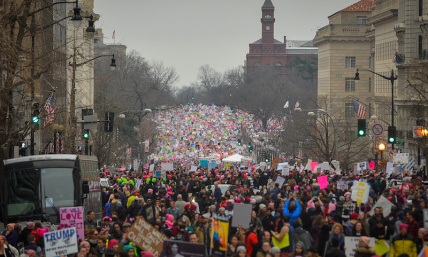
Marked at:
<point>362,166</point>
<point>323,182</point>
<point>324,166</point>
<point>145,236</point>
<point>416,181</point>
<point>281,165</point>
<point>342,185</point>
<point>138,182</point>
<point>60,242</point>
<point>389,168</point>
<point>372,165</point>
<point>385,204</point>
<point>401,158</point>
<point>425,212</point>
<point>285,171</point>
<point>158,173</point>
<point>182,248</point>
<point>313,166</point>
<point>219,237</point>
<point>151,167</point>
<point>243,211</point>
<point>351,244</point>
<point>193,168</point>
<point>212,164</point>
<point>280,181</point>
<point>360,192</point>
<point>335,165</point>
<point>73,217</point>
<point>167,166</point>
<point>381,247</point>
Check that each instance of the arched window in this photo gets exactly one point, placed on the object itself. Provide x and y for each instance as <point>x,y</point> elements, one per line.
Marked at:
<point>270,50</point>
<point>255,50</point>
<point>265,51</point>
<point>268,16</point>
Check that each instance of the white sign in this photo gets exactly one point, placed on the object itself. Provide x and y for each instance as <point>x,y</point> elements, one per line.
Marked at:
<point>360,192</point>
<point>167,166</point>
<point>425,211</point>
<point>401,158</point>
<point>60,242</point>
<point>342,185</point>
<point>243,211</point>
<point>285,171</point>
<point>138,182</point>
<point>336,164</point>
<point>281,165</point>
<point>377,129</point>
<point>146,146</point>
<point>151,167</point>
<point>280,181</point>
<point>385,204</point>
<point>324,166</point>
<point>389,168</point>
<point>193,168</point>
<point>351,244</point>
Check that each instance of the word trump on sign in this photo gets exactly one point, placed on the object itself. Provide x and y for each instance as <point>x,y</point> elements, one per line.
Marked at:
<point>60,242</point>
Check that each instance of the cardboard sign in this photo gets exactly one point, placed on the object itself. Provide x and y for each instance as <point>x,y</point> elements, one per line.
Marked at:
<point>182,248</point>
<point>351,244</point>
<point>167,166</point>
<point>342,185</point>
<point>416,182</point>
<point>219,236</point>
<point>285,171</point>
<point>242,214</point>
<point>60,242</point>
<point>193,168</point>
<point>313,166</point>
<point>73,217</point>
<point>425,212</point>
<point>385,204</point>
<point>323,182</point>
<point>145,236</point>
<point>381,247</point>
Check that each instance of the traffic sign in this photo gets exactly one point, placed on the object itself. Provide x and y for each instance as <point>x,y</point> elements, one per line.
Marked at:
<point>391,154</point>
<point>377,129</point>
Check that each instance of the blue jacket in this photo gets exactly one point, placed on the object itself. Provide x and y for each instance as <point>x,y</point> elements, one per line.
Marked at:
<point>295,214</point>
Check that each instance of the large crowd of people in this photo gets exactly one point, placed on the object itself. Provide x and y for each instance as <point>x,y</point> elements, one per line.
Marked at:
<point>294,219</point>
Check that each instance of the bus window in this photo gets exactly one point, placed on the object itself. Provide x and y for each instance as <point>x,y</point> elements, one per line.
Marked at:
<point>58,187</point>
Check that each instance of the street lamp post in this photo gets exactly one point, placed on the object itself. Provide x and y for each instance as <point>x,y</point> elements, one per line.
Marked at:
<point>73,118</point>
<point>391,78</point>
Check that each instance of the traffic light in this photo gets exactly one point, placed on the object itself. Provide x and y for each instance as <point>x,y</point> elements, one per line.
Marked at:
<point>35,112</point>
<point>193,98</point>
<point>361,127</point>
<point>86,134</point>
<point>392,134</point>
<point>239,141</point>
<point>250,148</point>
<point>108,124</point>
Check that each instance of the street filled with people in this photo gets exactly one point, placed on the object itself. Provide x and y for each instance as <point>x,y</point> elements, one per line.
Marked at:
<point>290,215</point>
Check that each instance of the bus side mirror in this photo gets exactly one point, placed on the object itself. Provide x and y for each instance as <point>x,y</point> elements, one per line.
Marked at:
<point>85,187</point>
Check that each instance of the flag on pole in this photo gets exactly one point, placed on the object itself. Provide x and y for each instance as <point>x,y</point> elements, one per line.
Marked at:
<point>50,111</point>
<point>286,105</point>
<point>297,104</point>
<point>114,35</point>
<point>359,109</point>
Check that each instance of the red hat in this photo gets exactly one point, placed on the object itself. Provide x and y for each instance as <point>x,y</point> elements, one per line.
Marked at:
<point>187,206</point>
<point>390,198</point>
<point>237,200</point>
<point>193,207</point>
<point>247,198</point>
<point>137,194</point>
<point>354,216</point>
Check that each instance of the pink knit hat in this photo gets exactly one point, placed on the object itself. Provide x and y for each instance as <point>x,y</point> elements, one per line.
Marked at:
<point>310,205</point>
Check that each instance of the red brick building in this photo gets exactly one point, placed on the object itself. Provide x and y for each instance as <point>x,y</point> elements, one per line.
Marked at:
<point>268,51</point>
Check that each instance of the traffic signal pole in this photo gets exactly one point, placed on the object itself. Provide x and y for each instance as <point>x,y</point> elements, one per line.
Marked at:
<point>392,78</point>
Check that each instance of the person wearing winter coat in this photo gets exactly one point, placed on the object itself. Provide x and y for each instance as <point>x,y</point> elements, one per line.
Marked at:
<point>364,250</point>
<point>403,243</point>
<point>293,209</point>
<point>302,235</point>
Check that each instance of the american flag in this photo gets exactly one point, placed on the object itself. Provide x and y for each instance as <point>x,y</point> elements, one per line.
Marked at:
<point>297,104</point>
<point>359,109</point>
<point>114,35</point>
<point>50,111</point>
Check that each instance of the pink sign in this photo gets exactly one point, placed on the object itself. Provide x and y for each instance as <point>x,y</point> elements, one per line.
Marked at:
<point>313,165</point>
<point>73,217</point>
<point>372,165</point>
<point>322,181</point>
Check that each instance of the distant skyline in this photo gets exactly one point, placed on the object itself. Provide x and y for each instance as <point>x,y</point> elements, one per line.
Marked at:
<point>187,34</point>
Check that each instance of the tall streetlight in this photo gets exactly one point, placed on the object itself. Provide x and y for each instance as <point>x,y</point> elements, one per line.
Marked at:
<point>391,78</point>
<point>330,115</point>
<point>73,118</point>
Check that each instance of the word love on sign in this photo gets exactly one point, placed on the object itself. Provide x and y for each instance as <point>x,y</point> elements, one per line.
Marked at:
<point>73,217</point>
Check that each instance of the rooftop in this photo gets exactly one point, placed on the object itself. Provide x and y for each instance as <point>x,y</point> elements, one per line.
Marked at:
<point>268,3</point>
<point>275,41</point>
<point>360,6</point>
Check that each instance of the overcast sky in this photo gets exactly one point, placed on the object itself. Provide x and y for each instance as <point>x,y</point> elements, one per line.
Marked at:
<point>187,34</point>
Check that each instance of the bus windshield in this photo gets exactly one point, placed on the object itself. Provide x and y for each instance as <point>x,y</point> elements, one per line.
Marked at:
<point>32,190</point>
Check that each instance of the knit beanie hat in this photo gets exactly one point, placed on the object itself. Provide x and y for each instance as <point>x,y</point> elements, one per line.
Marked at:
<point>365,239</point>
<point>241,248</point>
<point>127,248</point>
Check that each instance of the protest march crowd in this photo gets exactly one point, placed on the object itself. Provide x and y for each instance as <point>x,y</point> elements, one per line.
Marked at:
<point>288,216</point>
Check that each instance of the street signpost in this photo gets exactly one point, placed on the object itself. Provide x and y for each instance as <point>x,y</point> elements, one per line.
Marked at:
<point>377,129</point>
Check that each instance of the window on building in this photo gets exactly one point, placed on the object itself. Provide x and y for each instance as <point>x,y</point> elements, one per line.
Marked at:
<point>420,46</point>
<point>361,19</point>
<point>276,50</point>
<point>268,16</point>
<point>349,110</point>
<point>349,85</point>
<point>421,7</point>
<point>350,62</point>
<point>265,51</point>
<point>370,85</point>
<point>370,62</point>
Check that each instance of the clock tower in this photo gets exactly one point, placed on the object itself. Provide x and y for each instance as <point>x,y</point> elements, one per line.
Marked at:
<point>268,22</point>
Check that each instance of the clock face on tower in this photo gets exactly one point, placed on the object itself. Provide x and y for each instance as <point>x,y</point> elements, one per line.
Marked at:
<point>267,27</point>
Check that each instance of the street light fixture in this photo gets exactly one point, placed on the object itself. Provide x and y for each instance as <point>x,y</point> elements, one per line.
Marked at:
<point>113,63</point>
<point>77,18</point>
<point>90,30</point>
